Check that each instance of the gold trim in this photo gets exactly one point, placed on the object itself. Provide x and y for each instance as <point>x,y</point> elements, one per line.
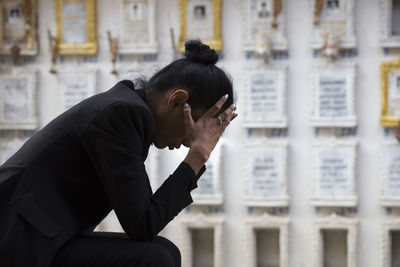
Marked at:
<point>91,46</point>
<point>318,5</point>
<point>216,43</point>
<point>29,12</point>
<point>385,68</point>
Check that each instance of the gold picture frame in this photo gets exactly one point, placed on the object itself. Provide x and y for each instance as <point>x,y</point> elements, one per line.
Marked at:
<point>76,39</point>
<point>390,84</point>
<point>215,42</point>
<point>18,27</point>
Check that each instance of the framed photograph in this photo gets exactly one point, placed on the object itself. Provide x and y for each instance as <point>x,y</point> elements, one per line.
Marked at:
<point>202,240</point>
<point>18,26</point>
<point>265,97</point>
<point>18,107</point>
<point>200,19</point>
<point>335,241</point>
<point>138,27</point>
<point>390,173</point>
<point>390,101</point>
<point>391,242</point>
<point>390,23</point>
<point>264,25</point>
<point>76,26</point>
<point>209,190</point>
<point>267,241</point>
<point>333,165</point>
<point>265,164</point>
<point>75,85</point>
<point>333,18</point>
<point>333,95</point>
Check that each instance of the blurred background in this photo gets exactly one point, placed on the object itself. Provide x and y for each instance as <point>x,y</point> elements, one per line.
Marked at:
<point>309,173</point>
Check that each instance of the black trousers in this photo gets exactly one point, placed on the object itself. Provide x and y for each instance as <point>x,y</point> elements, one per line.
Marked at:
<point>117,249</point>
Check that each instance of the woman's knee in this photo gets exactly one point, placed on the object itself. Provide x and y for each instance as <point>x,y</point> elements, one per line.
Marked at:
<point>171,248</point>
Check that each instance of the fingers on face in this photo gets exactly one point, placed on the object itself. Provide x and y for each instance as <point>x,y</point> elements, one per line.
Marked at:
<point>187,113</point>
<point>217,106</point>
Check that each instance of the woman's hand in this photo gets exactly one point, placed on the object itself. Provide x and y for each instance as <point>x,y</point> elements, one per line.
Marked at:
<point>204,134</point>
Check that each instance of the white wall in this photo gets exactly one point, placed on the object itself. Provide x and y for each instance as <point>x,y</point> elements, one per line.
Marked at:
<point>300,137</point>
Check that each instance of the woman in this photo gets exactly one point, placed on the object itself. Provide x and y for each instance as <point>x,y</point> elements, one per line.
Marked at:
<point>89,160</point>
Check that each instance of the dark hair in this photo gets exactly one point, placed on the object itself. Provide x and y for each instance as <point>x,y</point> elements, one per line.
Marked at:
<point>196,73</point>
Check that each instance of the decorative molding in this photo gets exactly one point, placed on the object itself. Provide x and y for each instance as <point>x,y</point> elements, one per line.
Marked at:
<point>390,85</point>
<point>201,221</point>
<point>334,147</point>
<point>276,194</point>
<point>335,222</point>
<point>392,224</point>
<point>267,221</point>
<point>348,70</point>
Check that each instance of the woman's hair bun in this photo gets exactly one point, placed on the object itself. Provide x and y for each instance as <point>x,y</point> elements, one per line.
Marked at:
<point>199,52</point>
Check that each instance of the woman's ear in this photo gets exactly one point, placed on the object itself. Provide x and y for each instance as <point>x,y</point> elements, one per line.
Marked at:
<point>177,99</point>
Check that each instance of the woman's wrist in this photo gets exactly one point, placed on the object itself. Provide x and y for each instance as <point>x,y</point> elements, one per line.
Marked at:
<point>196,159</point>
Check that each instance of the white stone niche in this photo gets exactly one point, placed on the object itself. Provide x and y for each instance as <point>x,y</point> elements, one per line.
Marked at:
<point>335,241</point>
<point>389,23</point>
<point>75,85</point>
<point>18,99</point>
<point>390,173</point>
<point>391,242</point>
<point>265,96</point>
<point>265,172</point>
<point>335,18</point>
<point>333,95</point>
<point>137,27</point>
<point>202,240</point>
<point>333,176</point>
<point>267,241</point>
<point>264,25</point>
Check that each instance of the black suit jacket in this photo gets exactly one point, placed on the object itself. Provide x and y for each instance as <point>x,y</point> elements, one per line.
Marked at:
<point>68,176</point>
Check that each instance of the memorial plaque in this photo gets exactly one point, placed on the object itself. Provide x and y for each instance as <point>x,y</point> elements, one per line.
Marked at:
<point>390,23</point>
<point>205,185</point>
<point>265,98</point>
<point>334,174</point>
<point>75,86</point>
<point>74,23</point>
<point>394,93</point>
<point>266,180</point>
<point>18,100</point>
<point>333,95</point>
<point>392,182</point>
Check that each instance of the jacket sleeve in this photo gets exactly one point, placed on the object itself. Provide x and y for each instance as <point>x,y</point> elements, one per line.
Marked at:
<point>115,141</point>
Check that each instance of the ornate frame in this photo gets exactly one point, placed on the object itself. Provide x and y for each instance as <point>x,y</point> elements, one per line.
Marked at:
<point>386,40</point>
<point>31,121</point>
<point>89,74</point>
<point>281,147</point>
<point>266,121</point>
<point>139,48</point>
<point>217,198</point>
<point>387,226</point>
<point>267,221</point>
<point>316,7</point>
<point>387,201</point>
<point>91,46</point>
<point>201,221</point>
<point>216,43</point>
<point>276,27</point>
<point>387,68</point>
<point>335,222</point>
<point>334,145</point>
<point>345,121</point>
<point>30,47</point>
